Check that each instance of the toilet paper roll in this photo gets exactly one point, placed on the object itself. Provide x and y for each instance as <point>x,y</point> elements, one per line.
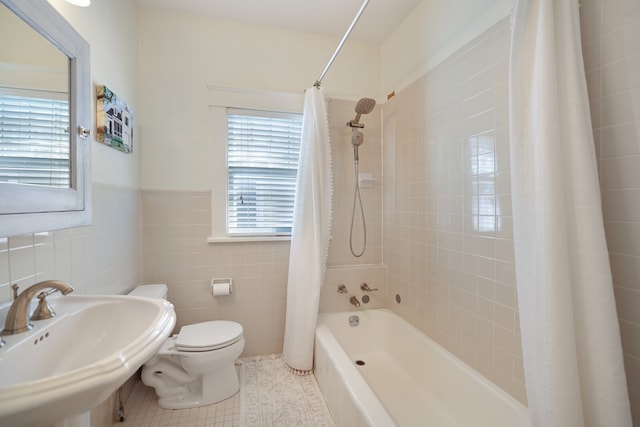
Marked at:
<point>221,289</point>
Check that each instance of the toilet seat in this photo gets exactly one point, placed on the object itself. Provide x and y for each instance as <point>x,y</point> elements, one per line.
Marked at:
<point>208,336</point>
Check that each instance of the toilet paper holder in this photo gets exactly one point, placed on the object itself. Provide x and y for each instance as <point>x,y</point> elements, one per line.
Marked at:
<point>222,286</point>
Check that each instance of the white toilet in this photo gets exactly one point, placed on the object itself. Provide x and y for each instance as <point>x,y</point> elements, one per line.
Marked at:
<point>196,367</point>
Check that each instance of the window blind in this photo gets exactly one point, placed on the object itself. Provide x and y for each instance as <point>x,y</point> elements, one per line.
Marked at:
<point>34,141</point>
<point>262,164</point>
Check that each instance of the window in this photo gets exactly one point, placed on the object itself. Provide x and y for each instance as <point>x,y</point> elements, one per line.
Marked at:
<point>37,153</point>
<point>262,161</point>
<point>485,209</point>
<point>253,220</point>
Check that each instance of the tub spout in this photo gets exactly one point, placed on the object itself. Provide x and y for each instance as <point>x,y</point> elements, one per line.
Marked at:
<point>354,301</point>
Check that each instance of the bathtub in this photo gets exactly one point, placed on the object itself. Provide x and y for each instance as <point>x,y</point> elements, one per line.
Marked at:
<point>385,372</point>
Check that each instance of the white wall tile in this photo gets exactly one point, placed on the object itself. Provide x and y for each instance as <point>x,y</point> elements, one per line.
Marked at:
<point>115,266</point>
<point>615,96</point>
<point>465,299</point>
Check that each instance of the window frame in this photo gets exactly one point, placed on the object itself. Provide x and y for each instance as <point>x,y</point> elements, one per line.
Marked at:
<point>274,170</point>
<point>220,99</point>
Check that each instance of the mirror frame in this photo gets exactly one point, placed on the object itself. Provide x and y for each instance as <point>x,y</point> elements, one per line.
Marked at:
<point>29,209</point>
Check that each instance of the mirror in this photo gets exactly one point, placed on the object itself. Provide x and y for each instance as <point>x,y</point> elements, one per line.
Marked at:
<point>45,109</point>
<point>34,107</point>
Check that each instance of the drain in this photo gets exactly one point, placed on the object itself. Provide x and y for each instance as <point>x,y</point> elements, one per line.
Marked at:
<point>354,320</point>
<point>360,362</point>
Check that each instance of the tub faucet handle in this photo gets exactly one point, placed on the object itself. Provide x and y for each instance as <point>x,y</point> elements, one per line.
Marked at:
<point>342,289</point>
<point>365,287</point>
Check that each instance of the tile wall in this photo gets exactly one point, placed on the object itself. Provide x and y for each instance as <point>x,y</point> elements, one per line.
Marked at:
<point>175,229</point>
<point>342,266</point>
<point>104,258</point>
<point>447,197</point>
<point>448,238</point>
<point>340,112</point>
<point>176,225</point>
<point>445,211</point>
<point>610,36</point>
<point>352,276</point>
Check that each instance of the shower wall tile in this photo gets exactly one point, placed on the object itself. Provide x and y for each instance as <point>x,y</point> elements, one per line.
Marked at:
<point>352,276</point>
<point>448,242</point>
<point>341,111</point>
<point>448,234</point>
<point>343,266</point>
<point>612,61</point>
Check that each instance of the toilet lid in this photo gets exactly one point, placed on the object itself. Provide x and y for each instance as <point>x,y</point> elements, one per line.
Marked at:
<point>207,336</point>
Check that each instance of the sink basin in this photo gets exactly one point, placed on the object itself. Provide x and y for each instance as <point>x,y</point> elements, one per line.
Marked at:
<point>66,365</point>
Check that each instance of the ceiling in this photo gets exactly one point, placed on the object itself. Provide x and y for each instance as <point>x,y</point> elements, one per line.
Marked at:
<point>327,17</point>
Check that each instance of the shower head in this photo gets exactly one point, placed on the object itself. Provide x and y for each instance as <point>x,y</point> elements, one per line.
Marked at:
<point>364,106</point>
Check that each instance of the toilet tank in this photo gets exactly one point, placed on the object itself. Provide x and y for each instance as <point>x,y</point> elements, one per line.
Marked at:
<point>150,291</point>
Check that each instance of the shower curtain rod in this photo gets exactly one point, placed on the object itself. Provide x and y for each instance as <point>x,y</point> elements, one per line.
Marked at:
<point>346,35</point>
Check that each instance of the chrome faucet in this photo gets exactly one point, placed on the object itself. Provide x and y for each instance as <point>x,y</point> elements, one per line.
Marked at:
<point>354,301</point>
<point>18,317</point>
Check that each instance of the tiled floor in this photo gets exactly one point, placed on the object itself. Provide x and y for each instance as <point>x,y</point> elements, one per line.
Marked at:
<point>272,395</point>
<point>142,410</point>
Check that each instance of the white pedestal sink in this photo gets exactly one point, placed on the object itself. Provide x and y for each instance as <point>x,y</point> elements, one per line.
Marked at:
<point>66,365</point>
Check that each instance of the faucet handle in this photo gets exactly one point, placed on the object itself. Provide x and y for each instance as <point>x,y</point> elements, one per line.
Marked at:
<point>365,287</point>
<point>342,289</point>
<point>43,311</point>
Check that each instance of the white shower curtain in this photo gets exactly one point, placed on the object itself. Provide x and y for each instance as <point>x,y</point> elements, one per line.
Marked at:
<point>570,335</point>
<point>310,234</point>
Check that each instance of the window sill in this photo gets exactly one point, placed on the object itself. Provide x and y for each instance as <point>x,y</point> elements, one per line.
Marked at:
<point>245,239</point>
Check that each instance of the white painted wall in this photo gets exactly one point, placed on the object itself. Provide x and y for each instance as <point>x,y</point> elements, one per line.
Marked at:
<point>111,29</point>
<point>181,54</point>
<point>106,257</point>
<point>430,34</point>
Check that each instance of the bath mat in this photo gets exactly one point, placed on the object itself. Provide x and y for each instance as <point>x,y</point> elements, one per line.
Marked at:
<point>271,396</point>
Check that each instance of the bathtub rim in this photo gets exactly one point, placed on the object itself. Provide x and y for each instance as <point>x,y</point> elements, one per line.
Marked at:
<point>499,392</point>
